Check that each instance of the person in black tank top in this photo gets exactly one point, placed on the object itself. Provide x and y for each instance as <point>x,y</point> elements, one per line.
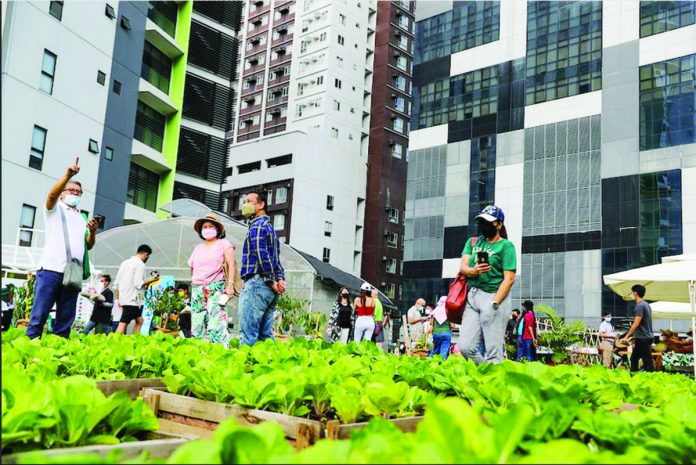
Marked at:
<point>342,319</point>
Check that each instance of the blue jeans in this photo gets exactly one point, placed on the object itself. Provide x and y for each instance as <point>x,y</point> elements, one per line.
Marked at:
<point>105,327</point>
<point>441,345</point>
<point>524,349</point>
<point>48,290</point>
<point>257,304</point>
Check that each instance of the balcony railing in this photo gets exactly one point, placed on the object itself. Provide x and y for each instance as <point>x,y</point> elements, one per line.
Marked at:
<point>164,14</point>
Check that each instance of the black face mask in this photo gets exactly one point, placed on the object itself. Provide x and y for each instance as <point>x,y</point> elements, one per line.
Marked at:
<point>345,296</point>
<point>486,229</point>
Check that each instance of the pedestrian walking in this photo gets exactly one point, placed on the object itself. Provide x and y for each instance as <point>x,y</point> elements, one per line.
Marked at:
<point>642,328</point>
<point>101,313</point>
<point>490,267</point>
<point>341,320</point>
<point>607,338</point>
<point>262,272</point>
<point>365,309</point>
<point>442,331</point>
<point>212,280</point>
<point>416,319</point>
<point>510,335</point>
<point>64,249</point>
<point>130,288</point>
<point>526,336</point>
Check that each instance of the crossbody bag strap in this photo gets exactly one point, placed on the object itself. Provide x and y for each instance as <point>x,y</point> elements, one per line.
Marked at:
<point>65,233</point>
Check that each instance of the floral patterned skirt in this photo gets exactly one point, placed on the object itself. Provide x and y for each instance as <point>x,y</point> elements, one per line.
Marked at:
<point>208,317</point>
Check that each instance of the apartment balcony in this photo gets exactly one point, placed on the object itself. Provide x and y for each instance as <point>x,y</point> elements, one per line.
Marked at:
<point>149,158</point>
<point>155,98</point>
<point>160,39</point>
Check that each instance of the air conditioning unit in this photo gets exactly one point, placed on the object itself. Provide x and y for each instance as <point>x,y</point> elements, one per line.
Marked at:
<point>392,143</point>
<point>383,284</point>
<point>384,258</point>
<point>394,95</point>
<point>386,234</point>
<point>392,116</point>
<point>397,54</point>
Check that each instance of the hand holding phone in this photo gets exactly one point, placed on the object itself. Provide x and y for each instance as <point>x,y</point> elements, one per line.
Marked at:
<point>100,221</point>
<point>482,257</point>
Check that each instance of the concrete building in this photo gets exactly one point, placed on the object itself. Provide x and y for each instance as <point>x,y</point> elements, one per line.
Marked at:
<point>303,122</point>
<point>577,118</point>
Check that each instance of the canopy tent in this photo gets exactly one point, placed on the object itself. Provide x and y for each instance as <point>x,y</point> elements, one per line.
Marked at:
<point>673,280</point>
<point>670,310</point>
<point>679,258</point>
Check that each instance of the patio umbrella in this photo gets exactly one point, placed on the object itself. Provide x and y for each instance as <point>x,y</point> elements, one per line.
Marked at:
<point>672,280</point>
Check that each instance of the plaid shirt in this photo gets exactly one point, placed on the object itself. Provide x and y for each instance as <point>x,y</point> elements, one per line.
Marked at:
<point>261,252</point>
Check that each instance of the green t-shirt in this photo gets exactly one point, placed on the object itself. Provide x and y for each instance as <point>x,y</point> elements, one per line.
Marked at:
<point>379,311</point>
<point>501,256</point>
<point>443,328</point>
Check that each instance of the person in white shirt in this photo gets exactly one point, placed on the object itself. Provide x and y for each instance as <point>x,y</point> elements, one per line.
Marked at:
<point>130,285</point>
<point>607,338</point>
<point>62,201</point>
<point>416,319</point>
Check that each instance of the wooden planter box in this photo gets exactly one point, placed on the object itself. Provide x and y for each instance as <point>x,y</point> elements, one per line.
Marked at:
<point>181,414</point>
<point>159,444</point>
<point>131,386</point>
<point>337,430</point>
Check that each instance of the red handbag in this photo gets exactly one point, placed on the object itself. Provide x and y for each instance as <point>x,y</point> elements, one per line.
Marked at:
<point>456,297</point>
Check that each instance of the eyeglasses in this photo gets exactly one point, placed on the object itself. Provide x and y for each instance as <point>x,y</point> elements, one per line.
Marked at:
<point>73,191</point>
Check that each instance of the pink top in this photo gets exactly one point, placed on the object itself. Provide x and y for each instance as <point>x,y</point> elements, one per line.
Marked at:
<point>206,262</point>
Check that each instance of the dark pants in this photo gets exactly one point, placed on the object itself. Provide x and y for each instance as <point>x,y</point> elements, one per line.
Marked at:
<point>642,350</point>
<point>185,324</point>
<point>441,345</point>
<point>105,328</point>
<point>48,290</point>
<point>378,334</point>
<point>114,325</point>
<point>6,320</point>
<point>524,349</point>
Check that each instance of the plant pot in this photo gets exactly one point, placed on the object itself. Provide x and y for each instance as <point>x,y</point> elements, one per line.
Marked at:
<point>22,323</point>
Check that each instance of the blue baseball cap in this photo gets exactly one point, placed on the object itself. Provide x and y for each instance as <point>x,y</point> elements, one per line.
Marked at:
<point>491,213</point>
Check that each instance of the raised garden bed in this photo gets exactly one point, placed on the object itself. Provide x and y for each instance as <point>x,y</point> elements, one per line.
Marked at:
<point>131,386</point>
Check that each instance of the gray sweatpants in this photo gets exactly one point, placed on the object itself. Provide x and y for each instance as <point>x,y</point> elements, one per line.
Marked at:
<point>481,321</point>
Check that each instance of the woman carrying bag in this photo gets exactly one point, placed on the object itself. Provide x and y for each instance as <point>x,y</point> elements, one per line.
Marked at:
<point>489,266</point>
<point>212,281</point>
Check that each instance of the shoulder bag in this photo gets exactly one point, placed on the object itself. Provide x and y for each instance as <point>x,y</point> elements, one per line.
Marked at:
<point>456,297</point>
<point>72,276</point>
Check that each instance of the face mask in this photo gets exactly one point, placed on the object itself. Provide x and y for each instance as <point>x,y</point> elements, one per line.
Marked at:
<point>608,320</point>
<point>486,229</point>
<point>248,210</point>
<point>209,233</point>
<point>72,200</point>
<point>345,296</point>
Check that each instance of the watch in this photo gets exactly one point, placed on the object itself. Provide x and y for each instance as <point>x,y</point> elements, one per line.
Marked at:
<point>495,305</point>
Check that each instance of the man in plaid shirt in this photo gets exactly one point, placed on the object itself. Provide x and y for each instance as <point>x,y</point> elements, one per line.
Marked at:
<point>263,275</point>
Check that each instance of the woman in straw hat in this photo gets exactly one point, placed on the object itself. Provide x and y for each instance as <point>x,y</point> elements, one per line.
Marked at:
<point>210,281</point>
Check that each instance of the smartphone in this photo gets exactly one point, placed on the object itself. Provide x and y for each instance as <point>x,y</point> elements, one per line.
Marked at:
<point>482,257</point>
<point>223,299</point>
<point>100,221</point>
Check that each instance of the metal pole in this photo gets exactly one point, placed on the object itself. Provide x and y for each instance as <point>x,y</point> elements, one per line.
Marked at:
<point>692,298</point>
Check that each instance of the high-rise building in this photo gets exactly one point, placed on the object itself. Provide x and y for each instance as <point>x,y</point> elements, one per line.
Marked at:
<point>383,237</point>
<point>304,120</point>
<point>576,118</point>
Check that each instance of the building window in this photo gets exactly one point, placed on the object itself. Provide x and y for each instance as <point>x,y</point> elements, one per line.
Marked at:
<point>400,83</point>
<point>143,187</point>
<point>403,22</point>
<point>342,18</point>
<point>38,145</point>
<point>330,202</point>
<point>467,25</point>
<point>327,228</point>
<point>393,215</point>
<point>269,198</point>
<point>341,40</point>
<point>401,63</point>
<point>101,77</point>
<point>156,67</point>
<point>279,222</point>
<point>125,23</point>
<point>391,265</point>
<point>109,153</point>
<point>337,105</point>
<point>93,146</point>
<point>398,125</point>
<point>661,16</point>
<point>667,95</point>
<point>26,224</point>
<point>339,62</point>
<point>337,83</point>
<point>334,133</point>
<point>149,127</point>
<point>249,167</point>
<point>326,255</point>
<point>48,71</point>
<point>400,104</point>
<point>117,87</point>
<point>390,290</point>
<point>55,9</point>
<point>109,11</point>
<point>392,239</point>
<point>397,150</point>
<point>571,66</point>
<point>320,80</point>
<point>281,195</point>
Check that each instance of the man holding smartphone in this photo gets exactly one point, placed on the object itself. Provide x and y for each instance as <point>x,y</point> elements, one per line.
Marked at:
<point>130,286</point>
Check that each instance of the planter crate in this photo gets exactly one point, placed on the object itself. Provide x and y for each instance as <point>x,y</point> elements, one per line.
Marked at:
<point>182,414</point>
<point>131,386</point>
<point>159,444</point>
<point>337,430</point>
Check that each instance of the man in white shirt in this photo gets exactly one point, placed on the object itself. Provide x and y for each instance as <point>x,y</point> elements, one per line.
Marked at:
<point>130,285</point>
<point>64,197</point>
<point>416,318</point>
<point>607,338</point>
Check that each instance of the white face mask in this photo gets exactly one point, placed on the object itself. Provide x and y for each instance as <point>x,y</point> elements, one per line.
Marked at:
<point>608,320</point>
<point>72,200</point>
<point>209,233</point>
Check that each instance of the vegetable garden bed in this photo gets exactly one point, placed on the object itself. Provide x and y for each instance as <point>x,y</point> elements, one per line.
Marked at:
<point>131,386</point>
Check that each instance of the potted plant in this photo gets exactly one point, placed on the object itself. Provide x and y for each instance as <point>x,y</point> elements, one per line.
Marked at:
<point>166,307</point>
<point>24,302</point>
<point>560,336</point>
<point>288,316</point>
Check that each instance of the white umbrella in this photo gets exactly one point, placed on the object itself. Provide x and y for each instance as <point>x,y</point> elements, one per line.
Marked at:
<point>672,280</point>
<point>670,310</point>
<point>679,258</point>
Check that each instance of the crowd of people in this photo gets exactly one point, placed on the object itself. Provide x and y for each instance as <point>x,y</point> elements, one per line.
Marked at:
<point>488,262</point>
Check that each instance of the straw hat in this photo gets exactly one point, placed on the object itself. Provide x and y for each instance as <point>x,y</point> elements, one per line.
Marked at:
<point>212,218</point>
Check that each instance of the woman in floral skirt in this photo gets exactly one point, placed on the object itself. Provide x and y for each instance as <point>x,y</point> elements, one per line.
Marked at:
<point>209,281</point>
